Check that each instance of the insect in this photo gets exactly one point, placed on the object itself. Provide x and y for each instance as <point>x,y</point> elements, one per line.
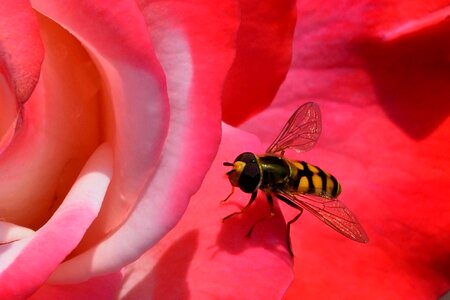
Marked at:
<point>297,183</point>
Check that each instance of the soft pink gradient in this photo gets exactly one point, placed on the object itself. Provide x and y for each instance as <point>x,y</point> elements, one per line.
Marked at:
<point>26,263</point>
<point>135,116</point>
<point>191,143</point>
<point>54,138</point>
<point>134,86</point>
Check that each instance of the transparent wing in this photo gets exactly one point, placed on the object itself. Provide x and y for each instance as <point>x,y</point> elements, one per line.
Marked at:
<point>301,130</point>
<point>331,211</point>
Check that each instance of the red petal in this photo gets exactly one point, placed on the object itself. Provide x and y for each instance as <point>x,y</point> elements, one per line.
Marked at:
<point>263,56</point>
<point>385,133</point>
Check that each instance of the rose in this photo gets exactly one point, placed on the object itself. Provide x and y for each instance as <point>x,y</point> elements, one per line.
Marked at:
<point>59,131</point>
<point>381,81</point>
<point>135,123</point>
<point>104,143</point>
<point>135,120</point>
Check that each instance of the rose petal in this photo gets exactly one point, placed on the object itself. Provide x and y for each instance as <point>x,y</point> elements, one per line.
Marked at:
<point>21,55</point>
<point>384,136</point>
<point>263,57</point>
<point>9,132</point>
<point>136,114</point>
<point>10,113</point>
<point>11,232</point>
<point>431,20</point>
<point>205,258</point>
<point>195,70</point>
<point>57,132</point>
<point>402,90</point>
<point>99,288</point>
<point>27,263</point>
<point>21,52</point>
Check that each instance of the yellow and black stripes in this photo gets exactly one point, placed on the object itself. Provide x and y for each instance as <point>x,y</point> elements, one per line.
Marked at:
<point>309,179</point>
<point>281,174</point>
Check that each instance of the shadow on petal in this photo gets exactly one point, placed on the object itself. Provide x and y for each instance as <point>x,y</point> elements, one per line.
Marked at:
<point>172,267</point>
<point>268,233</point>
<point>411,77</point>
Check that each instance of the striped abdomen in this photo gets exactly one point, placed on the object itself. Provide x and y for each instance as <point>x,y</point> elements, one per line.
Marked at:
<point>309,179</point>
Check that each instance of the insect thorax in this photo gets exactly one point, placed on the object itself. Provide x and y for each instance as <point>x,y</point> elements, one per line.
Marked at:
<point>275,172</point>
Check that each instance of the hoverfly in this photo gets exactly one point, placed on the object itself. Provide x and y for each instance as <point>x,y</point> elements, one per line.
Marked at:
<point>297,183</point>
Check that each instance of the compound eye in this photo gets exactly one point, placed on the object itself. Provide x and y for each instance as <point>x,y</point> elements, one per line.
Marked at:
<point>251,169</point>
<point>246,157</point>
<point>251,174</point>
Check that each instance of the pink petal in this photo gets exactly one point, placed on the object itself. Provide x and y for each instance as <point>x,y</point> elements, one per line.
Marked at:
<point>10,127</point>
<point>263,57</point>
<point>194,76</point>
<point>21,51</point>
<point>385,127</point>
<point>10,113</point>
<point>431,20</point>
<point>11,232</point>
<point>27,263</point>
<point>136,113</point>
<point>21,54</point>
<point>99,288</point>
<point>207,259</point>
<point>57,132</point>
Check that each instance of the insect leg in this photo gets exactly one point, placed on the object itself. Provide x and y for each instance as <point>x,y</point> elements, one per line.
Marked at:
<point>228,197</point>
<point>288,224</point>
<point>272,213</point>
<point>288,232</point>
<point>252,198</point>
